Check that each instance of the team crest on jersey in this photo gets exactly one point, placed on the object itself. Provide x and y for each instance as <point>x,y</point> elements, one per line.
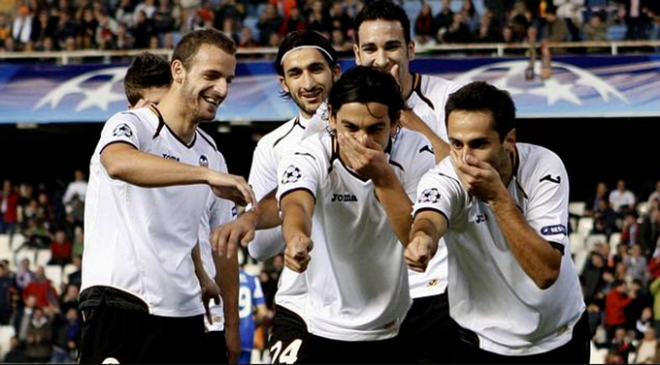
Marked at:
<point>203,161</point>
<point>429,196</point>
<point>291,175</point>
<point>123,130</point>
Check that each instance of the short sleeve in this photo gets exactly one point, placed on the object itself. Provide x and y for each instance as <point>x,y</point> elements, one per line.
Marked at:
<point>298,170</point>
<point>124,128</point>
<point>547,208</point>
<point>263,173</point>
<point>439,191</point>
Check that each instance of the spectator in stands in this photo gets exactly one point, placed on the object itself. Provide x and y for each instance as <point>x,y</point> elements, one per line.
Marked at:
<point>78,187</point>
<point>5,29</point>
<point>425,28</point>
<point>228,9</point>
<point>338,18</point>
<point>39,345</point>
<point>294,21</point>
<point>22,27</point>
<point>7,290</point>
<point>9,210</point>
<point>637,21</point>
<point>16,353</point>
<point>66,337</point>
<point>60,250</point>
<point>571,12</point>
<point>644,322</point>
<point>247,41</point>
<point>604,218</point>
<point>636,264</point>
<point>592,274</point>
<point>596,29</point>
<point>655,195</point>
<point>444,19</point>
<point>622,344</point>
<point>24,275</point>
<point>87,30</point>
<point>23,317</point>
<point>647,347</point>
<point>148,7</point>
<point>649,233</point>
<point>458,31</point>
<point>630,228</point>
<point>555,28</point>
<point>615,304</point>
<point>318,18</point>
<point>471,17</point>
<point>490,30</point>
<point>36,234</point>
<point>142,30</point>
<point>622,199</point>
<point>41,288</point>
<point>269,23</point>
<point>640,299</point>
<point>70,298</point>
<point>65,28</point>
<point>339,41</point>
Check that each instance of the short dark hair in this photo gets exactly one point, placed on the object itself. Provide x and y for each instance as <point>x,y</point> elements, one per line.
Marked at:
<point>305,38</point>
<point>383,10</point>
<point>481,96</point>
<point>189,45</point>
<point>361,84</point>
<point>146,71</point>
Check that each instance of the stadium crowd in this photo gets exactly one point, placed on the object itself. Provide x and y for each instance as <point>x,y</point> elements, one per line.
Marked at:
<point>46,25</point>
<point>620,274</point>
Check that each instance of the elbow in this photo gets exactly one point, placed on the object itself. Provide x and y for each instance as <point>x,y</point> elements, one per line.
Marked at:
<point>113,167</point>
<point>548,279</point>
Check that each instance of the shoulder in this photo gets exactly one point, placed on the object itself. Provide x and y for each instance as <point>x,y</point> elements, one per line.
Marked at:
<point>410,144</point>
<point>535,159</point>
<point>280,134</point>
<point>137,117</point>
<point>207,140</point>
<point>438,86</point>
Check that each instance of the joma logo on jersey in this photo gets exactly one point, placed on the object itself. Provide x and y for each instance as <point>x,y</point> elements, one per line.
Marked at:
<point>170,157</point>
<point>343,198</point>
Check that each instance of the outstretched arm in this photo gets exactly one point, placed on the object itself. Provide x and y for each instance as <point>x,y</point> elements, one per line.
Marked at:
<point>297,211</point>
<point>428,227</point>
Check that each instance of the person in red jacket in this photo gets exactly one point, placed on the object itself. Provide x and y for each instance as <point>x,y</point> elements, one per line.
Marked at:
<point>60,249</point>
<point>42,289</point>
<point>615,304</point>
<point>8,210</point>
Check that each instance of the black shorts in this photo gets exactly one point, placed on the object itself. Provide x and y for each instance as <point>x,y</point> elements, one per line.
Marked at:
<point>289,341</point>
<point>327,351</point>
<point>215,348</point>
<point>576,351</point>
<point>118,326</point>
<point>428,333</point>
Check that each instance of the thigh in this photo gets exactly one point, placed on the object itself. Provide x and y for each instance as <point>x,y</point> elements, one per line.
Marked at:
<point>289,341</point>
<point>326,351</point>
<point>428,334</point>
<point>111,334</point>
<point>173,340</point>
<point>215,348</point>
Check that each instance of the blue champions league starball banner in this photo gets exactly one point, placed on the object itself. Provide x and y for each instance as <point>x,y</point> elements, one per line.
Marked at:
<point>587,86</point>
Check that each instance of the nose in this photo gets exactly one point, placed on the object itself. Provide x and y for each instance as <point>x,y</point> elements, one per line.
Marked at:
<point>381,59</point>
<point>362,137</point>
<point>222,87</point>
<point>307,81</point>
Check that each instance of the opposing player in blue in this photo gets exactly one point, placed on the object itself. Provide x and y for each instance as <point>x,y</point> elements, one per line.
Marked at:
<point>251,311</point>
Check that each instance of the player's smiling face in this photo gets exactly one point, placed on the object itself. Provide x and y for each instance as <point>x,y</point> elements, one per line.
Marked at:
<point>383,45</point>
<point>307,78</point>
<point>364,122</point>
<point>206,82</point>
<point>473,133</point>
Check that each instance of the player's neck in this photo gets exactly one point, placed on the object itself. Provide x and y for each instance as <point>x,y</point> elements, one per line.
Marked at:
<point>407,85</point>
<point>510,166</point>
<point>176,118</point>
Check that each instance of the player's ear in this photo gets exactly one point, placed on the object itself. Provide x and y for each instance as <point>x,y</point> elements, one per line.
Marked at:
<point>395,124</point>
<point>336,72</point>
<point>356,51</point>
<point>178,71</point>
<point>332,118</point>
<point>510,140</point>
<point>411,50</point>
<point>283,83</point>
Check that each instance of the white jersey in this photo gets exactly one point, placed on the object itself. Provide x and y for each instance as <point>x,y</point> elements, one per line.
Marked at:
<point>218,211</point>
<point>357,279</point>
<point>137,239</point>
<point>263,179</point>
<point>428,100</point>
<point>490,293</point>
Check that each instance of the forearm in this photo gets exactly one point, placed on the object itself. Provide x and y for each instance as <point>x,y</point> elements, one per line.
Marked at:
<point>397,205</point>
<point>146,170</point>
<point>196,255</point>
<point>227,279</point>
<point>297,210</point>
<point>268,213</point>
<point>540,261</point>
<point>426,226</point>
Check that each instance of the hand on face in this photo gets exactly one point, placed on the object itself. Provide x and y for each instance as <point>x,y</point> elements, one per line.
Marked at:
<point>296,254</point>
<point>367,158</point>
<point>479,178</point>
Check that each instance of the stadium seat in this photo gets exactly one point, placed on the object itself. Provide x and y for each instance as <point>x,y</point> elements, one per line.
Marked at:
<point>43,256</point>
<point>6,333</point>
<point>592,239</point>
<point>642,209</point>
<point>68,269</point>
<point>25,253</point>
<point>54,274</point>
<point>615,239</point>
<point>585,225</point>
<point>251,22</point>
<point>577,208</point>
<point>577,242</point>
<point>17,241</point>
<point>580,260</point>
